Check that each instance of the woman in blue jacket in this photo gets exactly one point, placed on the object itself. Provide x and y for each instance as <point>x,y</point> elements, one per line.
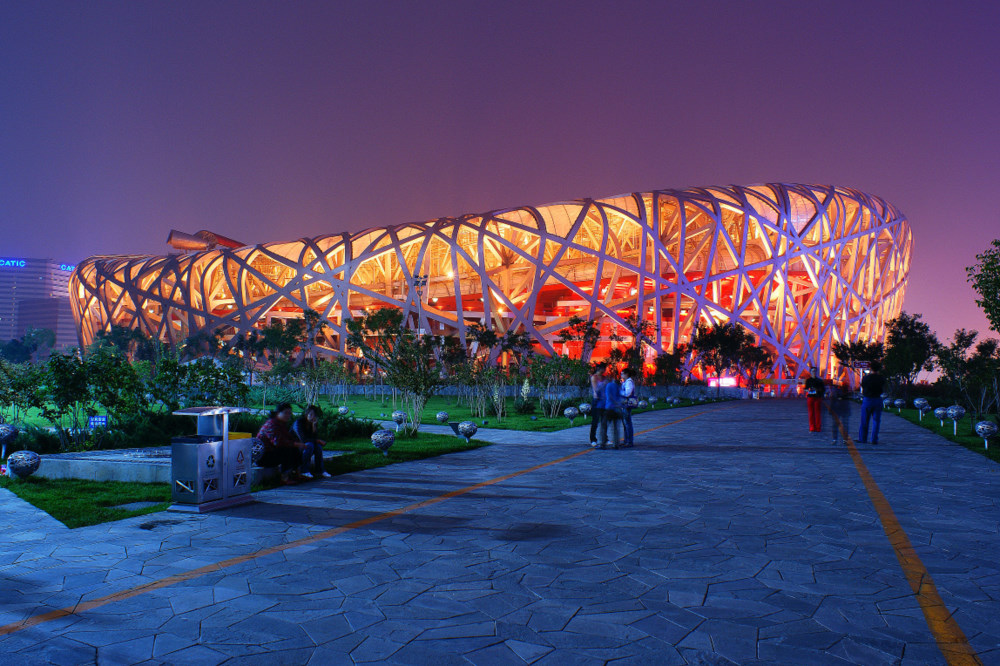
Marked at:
<point>612,415</point>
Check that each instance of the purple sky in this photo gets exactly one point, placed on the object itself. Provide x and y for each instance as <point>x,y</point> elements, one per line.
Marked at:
<point>272,121</point>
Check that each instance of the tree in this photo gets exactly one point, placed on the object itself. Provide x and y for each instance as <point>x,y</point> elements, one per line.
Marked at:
<point>973,372</point>
<point>669,366</point>
<point>985,279</point>
<point>910,348</point>
<point>64,398</point>
<point>851,353</point>
<point>280,338</point>
<point>407,359</point>
<point>719,347</point>
<point>35,344</point>
<point>584,331</point>
<point>18,389</point>
<point>751,362</point>
<point>313,326</point>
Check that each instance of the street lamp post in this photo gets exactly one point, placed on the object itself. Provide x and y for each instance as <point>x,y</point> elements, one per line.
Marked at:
<point>419,282</point>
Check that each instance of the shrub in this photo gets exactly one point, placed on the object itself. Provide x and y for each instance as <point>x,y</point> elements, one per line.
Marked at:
<point>524,405</point>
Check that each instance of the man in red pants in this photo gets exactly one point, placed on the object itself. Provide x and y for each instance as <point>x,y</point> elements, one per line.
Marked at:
<point>815,390</point>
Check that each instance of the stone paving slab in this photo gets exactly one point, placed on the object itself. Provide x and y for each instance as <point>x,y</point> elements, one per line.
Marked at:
<point>734,536</point>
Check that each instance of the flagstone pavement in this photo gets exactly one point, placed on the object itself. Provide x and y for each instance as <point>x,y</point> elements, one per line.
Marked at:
<point>732,536</point>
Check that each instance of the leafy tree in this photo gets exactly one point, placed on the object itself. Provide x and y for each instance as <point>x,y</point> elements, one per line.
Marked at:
<point>407,359</point>
<point>133,343</point>
<point>850,353</point>
<point>280,338</point>
<point>720,346</point>
<point>35,344</point>
<point>249,349</point>
<point>114,384</point>
<point>18,389</point>
<point>201,344</point>
<point>752,361</point>
<point>313,326</point>
<point>669,366</point>
<point>585,331</point>
<point>910,348</point>
<point>985,279</point>
<point>560,379</point>
<point>972,370</point>
<point>64,398</point>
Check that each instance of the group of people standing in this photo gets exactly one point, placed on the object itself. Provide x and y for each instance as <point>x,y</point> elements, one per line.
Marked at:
<point>872,386</point>
<point>291,445</point>
<point>611,408</point>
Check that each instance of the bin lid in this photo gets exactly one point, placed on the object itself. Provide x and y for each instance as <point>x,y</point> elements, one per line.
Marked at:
<point>194,439</point>
<point>209,411</point>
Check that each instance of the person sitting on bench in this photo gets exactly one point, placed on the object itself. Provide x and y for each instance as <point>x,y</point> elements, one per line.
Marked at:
<point>305,429</point>
<point>280,447</point>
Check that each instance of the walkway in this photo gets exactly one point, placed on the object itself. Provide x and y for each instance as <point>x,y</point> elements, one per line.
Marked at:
<point>729,534</point>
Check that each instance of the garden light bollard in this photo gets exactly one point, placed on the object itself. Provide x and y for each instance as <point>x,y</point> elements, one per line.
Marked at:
<point>941,413</point>
<point>955,413</point>
<point>399,418</point>
<point>8,433</point>
<point>986,429</point>
<point>900,403</point>
<point>571,413</point>
<point>467,429</point>
<point>922,406</point>
<point>442,417</point>
<point>383,440</point>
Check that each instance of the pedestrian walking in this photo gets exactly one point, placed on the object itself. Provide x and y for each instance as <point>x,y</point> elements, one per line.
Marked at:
<point>597,382</point>
<point>611,417</point>
<point>840,407</point>
<point>872,386</point>
<point>628,401</point>
<point>815,390</point>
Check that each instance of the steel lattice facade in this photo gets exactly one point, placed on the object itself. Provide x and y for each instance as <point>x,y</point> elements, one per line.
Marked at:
<point>800,266</point>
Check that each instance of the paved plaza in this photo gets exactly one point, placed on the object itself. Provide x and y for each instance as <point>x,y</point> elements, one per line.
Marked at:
<point>729,534</point>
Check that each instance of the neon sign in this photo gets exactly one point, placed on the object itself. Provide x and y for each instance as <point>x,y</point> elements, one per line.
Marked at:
<point>13,263</point>
<point>67,267</point>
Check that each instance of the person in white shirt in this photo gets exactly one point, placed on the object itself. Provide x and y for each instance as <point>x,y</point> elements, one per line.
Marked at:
<point>627,393</point>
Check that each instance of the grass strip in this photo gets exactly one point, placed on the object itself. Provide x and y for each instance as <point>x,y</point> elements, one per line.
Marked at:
<point>966,436</point>
<point>78,503</point>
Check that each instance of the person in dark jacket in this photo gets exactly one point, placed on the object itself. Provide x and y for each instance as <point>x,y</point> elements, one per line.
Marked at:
<point>280,447</point>
<point>597,382</point>
<point>612,415</point>
<point>840,405</point>
<point>304,429</point>
<point>872,386</point>
<point>815,390</point>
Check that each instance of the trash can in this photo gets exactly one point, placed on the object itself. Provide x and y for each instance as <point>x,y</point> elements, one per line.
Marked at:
<point>196,467</point>
<point>211,470</point>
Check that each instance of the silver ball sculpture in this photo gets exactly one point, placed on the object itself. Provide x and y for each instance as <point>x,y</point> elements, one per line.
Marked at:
<point>399,418</point>
<point>900,403</point>
<point>571,413</point>
<point>343,410</point>
<point>941,413</point>
<point>23,463</point>
<point>955,413</point>
<point>922,406</point>
<point>442,417</point>
<point>8,433</point>
<point>383,440</point>
<point>585,408</point>
<point>467,429</point>
<point>986,429</point>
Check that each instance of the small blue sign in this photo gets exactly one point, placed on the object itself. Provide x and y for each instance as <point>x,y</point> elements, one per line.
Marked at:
<point>97,422</point>
<point>13,263</point>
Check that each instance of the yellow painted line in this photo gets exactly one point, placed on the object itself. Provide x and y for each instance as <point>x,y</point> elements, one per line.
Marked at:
<point>949,636</point>
<point>84,606</point>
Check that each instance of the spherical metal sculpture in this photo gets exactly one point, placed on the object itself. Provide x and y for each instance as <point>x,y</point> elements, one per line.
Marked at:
<point>571,413</point>
<point>23,463</point>
<point>399,418</point>
<point>256,450</point>
<point>899,403</point>
<point>922,406</point>
<point>652,400</point>
<point>442,417</point>
<point>941,413</point>
<point>986,429</point>
<point>467,429</point>
<point>886,403</point>
<point>383,440</point>
<point>343,410</point>
<point>955,413</point>
<point>643,404</point>
<point>585,408</point>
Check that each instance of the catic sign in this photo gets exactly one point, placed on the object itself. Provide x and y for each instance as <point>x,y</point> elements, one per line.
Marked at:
<point>67,267</point>
<point>13,263</point>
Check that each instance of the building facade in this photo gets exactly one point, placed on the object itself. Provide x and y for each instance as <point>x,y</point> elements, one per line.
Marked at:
<point>800,266</point>
<point>34,293</point>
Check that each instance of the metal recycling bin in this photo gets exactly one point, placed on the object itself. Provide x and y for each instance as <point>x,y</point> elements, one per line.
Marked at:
<point>210,470</point>
<point>196,468</point>
<point>238,464</point>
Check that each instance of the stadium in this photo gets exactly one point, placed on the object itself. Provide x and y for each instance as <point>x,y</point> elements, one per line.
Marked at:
<point>800,266</point>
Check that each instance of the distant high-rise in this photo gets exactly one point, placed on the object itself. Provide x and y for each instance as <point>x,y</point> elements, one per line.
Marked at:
<point>34,293</point>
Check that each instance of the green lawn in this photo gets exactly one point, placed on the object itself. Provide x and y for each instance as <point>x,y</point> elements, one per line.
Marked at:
<point>966,436</point>
<point>78,503</point>
<point>375,409</point>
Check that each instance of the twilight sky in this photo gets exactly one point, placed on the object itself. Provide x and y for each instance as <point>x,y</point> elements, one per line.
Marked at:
<point>275,120</point>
